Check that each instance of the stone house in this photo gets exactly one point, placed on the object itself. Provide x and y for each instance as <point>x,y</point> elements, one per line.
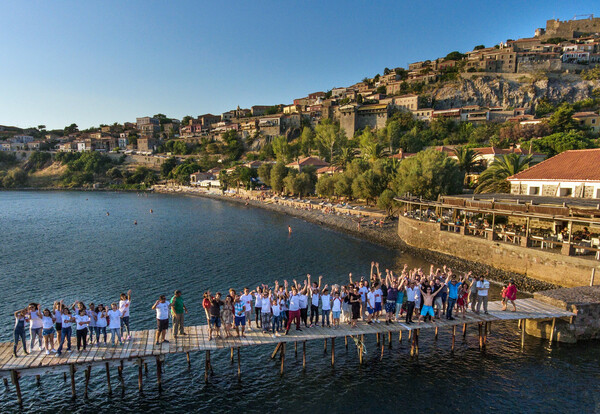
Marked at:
<point>356,117</point>
<point>588,119</point>
<point>574,173</point>
<point>308,161</point>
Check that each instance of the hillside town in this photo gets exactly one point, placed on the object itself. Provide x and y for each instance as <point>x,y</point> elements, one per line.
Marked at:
<point>388,116</point>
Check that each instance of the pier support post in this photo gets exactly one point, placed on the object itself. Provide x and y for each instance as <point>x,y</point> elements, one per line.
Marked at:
<point>207,366</point>
<point>377,335</point>
<point>464,330</point>
<point>231,357</point>
<point>296,349</point>
<point>485,334</point>
<point>436,333</point>
<point>332,352</point>
<point>282,354</point>
<point>325,346</point>
<point>108,379</point>
<point>159,373</point>
<point>146,368</point>
<point>346,341</point>
<point>5,382</point>
<point>120,371</point>
<point>480,336</point>
<point>390,339</point>
<point>72,369</point>
<point>411,338</point>
<point>552,330</point>
<point>524,325</point>
<point>140,376</point>
<point>239,364</point>
<point>417,341</point>
<point>276,350</point>
<point>187,355</point>
<point>88,373</point>
<point>304,355</point>
<point>400,336</point>
<point>453,336</point>
<point>37,380</point>
<point>64,377</point>
<point>15,380</point>
<point>360,349</point>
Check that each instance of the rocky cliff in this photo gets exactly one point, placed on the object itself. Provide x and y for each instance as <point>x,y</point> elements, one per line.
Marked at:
<point>515,92</point>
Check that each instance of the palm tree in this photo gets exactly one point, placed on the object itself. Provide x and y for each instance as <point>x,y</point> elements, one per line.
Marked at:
<point>493,179</point>
<point>372,151</point>
<point>467,159</point>
<point>345,157</point>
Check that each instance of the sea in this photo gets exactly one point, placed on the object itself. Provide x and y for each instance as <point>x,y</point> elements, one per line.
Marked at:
<point>92,246</point>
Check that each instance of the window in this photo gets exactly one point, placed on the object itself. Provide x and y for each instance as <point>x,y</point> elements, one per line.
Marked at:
<point>566,192</point>
<point>534,190</point>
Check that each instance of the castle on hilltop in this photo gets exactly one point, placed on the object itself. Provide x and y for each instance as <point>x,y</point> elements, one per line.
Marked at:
<point>570,29</point>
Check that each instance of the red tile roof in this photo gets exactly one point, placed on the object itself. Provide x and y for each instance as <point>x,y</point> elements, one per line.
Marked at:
<point>309,161</point>
<point>574,165</point>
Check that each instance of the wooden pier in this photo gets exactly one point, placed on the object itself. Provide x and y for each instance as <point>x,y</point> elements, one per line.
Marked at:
<point>141,349</point>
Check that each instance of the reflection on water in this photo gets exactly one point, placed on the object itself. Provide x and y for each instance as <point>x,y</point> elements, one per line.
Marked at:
<point>64,245</point>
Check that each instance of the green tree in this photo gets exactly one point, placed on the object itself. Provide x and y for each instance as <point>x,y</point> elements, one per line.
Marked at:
<point>454,56</point>
<point>381,89</point>
<point>428,174</point>
<point>264,173</point>
<point>71,129</point>
<point>345,156</point>
<point>386,202</point>
<point>38,160</point>
<point>328,136</point>
<point>544,107</point>
<point>479,47</point>
<point>467,159</point>
<point>247,176</point>
<point>186,120</point>
<point>562,120</point>
<point>233,145</point>
<point>561,141</point>
<point>278,173</point>
<point>114,173</point>
<point>494,178</point>
<point>343,185</point>
<point>367,186</point>
<point>282,150</point>
<point>307,141</point>
<point>15,177</point>
<point>591,74</point>
<point>168,166</point>
<point>182,172</point>
<point>326,186</point>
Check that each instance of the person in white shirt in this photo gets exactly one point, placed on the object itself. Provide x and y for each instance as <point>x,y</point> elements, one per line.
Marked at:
<point>124,305</point>
<point>265,311</point>
<point>483,287</point>
<point>276,309</point>
<point>371,305</point>
<point>48,331</point>
<point>315,290</point>
<point>294,309</point>
<point>246,299</point>
<point>411,291</point>
<point>325,307</point>
<point>91,312</point>
<point>57,313</point>
<point>378,300</point>
<point>35,325</point>
<point>101,323</point>
<point>162,308</point>
<point>363,299</point>
<point>82,320</point>
<point>114,324</point>
<point>67,320</point>
<point>336,310</point>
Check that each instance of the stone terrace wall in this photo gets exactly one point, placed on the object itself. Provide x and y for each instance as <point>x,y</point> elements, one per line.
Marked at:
<point>549,267</point>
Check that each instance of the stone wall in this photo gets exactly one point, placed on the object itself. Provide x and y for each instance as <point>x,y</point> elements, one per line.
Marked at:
<point>538,264</point>
<point>584,301</point>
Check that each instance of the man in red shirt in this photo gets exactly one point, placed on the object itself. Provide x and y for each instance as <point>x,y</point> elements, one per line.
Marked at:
<point>509,293</point>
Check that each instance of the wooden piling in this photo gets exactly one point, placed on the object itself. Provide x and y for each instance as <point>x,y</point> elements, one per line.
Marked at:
<point>436,333</point>
<point>346,341</point>
<point>377,335</point>
<point>552,330</point>
<point>296,349</point>
<point>464,330</point>
<point>72,369</point>
<point>390,339</point>
<point>524,327</point>
<point>146,368</point>
<point>360,349</point>
<point>325,346</point>
<point>140,383</point>
<point>239,363</point>
<point>304,355</point>
<point>412,343</point>
<point>485,332</point>
<point>417,341</point>
<point>159,373</point>
<point>120,371</point>
<point>37,380</point>
<point>282,354</point>
<point>231,357</point>
<point>400,336</point>
<point>187,355</point>
<point>108,379</point>
<point>410,335</point>
<point>480,336</point>
<point>88,373</point>
<point>206,366</point>
<point>453,336</point>
<point>5,382</point>
<point>64,377</point>
<point>15,380</point>
<point>332,352</point>
<point>276,350</point>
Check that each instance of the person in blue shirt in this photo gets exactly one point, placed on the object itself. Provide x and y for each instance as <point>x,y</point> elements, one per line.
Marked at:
<point>453,284</point>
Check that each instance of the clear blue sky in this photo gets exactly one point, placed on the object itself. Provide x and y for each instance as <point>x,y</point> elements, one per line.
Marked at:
<point>93,62</point>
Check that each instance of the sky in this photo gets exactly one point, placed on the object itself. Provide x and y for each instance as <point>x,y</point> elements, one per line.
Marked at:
<point>100,62</point>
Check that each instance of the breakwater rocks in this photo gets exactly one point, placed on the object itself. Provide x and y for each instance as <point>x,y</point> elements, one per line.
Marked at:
<point>388,236</point>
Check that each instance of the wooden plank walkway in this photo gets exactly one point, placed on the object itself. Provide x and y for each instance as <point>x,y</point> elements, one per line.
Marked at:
<point>142,344</point>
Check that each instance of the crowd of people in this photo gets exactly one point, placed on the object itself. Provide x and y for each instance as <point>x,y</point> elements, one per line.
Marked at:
<point>275,309</point>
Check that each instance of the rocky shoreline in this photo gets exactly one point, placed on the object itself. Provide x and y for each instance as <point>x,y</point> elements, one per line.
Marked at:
<point>388,237</point>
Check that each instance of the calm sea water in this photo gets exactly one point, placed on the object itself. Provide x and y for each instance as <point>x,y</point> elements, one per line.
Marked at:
<point>64,245</point>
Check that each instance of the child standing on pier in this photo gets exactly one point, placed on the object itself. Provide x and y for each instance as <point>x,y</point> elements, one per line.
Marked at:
<point>509,293</point>
<point>265,311</point>
<point>48,331</point>
<point>336,310</point>
<point>325,307</point>
<point>240,315</point>
<point>124,305</point>
<point>100,323</point>
<point>276,309</point>
<point>35,325</point>
<point>67,320</point>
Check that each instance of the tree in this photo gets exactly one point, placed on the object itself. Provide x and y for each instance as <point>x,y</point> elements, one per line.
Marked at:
<point>561,141</point>
<point>182,172</point>
<point>38,160</point>
<point>386,71</point>
<point>562,120</point>
<point>381,89</point>
<point>428,174</point>
<point>290,183</point>
<point>114,173</point>
<point>186,120</point>
<point>367,186</point>
<point>543,107</point>
<point>325,186</point>
<point>307,141</point>
<point>233,145</point>
<point>71,129</point>
<point>591,74</point>
<point>328,136</point>
<point>345,156</point>
<point>278,173</point>
<point>494,178</point>
<point>15,177</point>
<point>479,47</point>
<point>247,176</point>
<point>168,166</point>
<point>343,185</point>
<point>386,202</point>
<point>41,127</point>
<point>467,159</point>
<point>281,148</point>
<point>454,56</point>
<point>264,173</point>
